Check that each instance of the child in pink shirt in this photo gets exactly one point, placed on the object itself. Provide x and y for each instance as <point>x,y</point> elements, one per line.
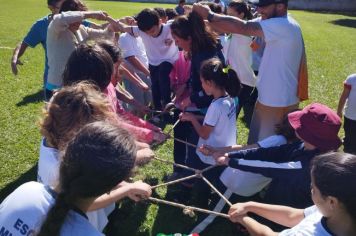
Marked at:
<point>179,77</point>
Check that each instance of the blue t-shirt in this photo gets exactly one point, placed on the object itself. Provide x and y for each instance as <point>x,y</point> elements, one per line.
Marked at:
<point>38,34</point>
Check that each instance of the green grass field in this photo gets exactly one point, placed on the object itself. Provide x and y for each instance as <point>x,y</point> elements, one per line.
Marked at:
<point>330,43</point>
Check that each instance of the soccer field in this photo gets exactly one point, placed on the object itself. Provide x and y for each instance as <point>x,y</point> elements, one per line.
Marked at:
<point>331,52</point>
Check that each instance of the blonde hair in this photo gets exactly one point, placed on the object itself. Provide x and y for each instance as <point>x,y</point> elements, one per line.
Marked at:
<point>71,108</point>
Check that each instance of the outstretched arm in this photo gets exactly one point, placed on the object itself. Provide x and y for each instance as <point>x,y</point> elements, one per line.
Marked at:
<point>138,65</point>
<point>136,191</point>
<point>255,228</point>
<point>229,24</point>
<point>283,215</point>
<point>18,52</point>
<point>203,131</point>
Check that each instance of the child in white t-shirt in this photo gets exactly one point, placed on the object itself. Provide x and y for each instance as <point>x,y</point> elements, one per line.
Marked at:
<point>349,94</point>
<point>160,49</point>
<point>333,192</point>
<point>134,53</point>
<point>238,54</point>
<point>70,109</point>
<point>94,165</point>
<point>219,125</point>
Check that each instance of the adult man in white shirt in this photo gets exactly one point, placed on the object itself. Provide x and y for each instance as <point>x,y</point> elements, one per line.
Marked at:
<point>278,73</point>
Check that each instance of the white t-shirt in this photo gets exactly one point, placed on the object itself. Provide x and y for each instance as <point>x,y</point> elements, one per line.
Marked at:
<point>48,165</point>
<point>24,210</point>
<point>221,115</point>
<point>159,49</point>
<point>311,225</point>
<point>272,141</point>
<point>48,174</point>
<point>238,54</point>
<point>133,46</point>
<point>278,73</point>
<point>246,183</point>
<point>350,108</point>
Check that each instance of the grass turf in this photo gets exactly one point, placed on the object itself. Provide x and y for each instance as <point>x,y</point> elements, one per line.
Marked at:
<point>329,40</point>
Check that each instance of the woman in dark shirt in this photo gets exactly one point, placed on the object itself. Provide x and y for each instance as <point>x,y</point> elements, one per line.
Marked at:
<point>192,35</point>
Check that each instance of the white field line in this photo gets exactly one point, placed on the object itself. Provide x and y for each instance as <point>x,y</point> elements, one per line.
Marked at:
<point>9,48</point>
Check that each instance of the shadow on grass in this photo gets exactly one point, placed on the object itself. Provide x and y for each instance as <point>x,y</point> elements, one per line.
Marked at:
<point>31,98</point>
<point>133,214</point>
<point>345,22</point>
<point>343,13</point>
<point>170,219</point>
<point>29,175</point>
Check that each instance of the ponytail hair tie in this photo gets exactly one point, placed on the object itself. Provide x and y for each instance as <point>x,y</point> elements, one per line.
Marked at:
<point>226,69</point>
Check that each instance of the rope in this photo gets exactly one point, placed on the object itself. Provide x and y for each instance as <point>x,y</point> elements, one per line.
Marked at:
<point>217,191</point>
<point>198,173</point>
<point>189,208</point>
<point>176,181</point>
<point>182,141</point>
<point>175,124</point>
<point>175,164</point>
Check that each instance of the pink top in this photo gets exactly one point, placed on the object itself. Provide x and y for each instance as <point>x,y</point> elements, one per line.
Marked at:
<point>141,129</point>
<point>179,76</point>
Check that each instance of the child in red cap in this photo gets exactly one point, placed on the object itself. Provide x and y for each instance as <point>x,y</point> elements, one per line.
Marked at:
<point>288,165</point>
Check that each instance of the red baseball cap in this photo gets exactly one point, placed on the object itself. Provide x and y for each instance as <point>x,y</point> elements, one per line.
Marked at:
<point>318,125</point>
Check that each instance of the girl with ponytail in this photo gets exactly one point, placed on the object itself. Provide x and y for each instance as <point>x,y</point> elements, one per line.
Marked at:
<point>219,125</point>
<point>193,36</point>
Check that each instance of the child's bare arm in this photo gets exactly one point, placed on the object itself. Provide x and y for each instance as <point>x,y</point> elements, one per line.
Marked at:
<point>138,65</point>
<point>135,191</point>
<point>345,94</point>
<point>203,131</point>
<point>133,77</point>
<point>283,215</point>
<point>255,228</point>
<point>18,52</point>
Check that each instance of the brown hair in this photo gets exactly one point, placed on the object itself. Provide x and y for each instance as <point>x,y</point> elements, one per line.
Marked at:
<point>89,62</point>
<point>73,5</point>
<point>71,108</point>
<point>241,7</point>
<point>284,128</point>
<point>193,26</point>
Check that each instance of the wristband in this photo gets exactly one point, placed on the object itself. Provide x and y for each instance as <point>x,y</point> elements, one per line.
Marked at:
<point>210,16</point>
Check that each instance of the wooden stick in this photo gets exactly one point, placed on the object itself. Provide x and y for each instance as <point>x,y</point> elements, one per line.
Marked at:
<point>188,207</point>
<point>182,141</point>
<point>175,164</point>
<point>217,191</point>
<point>176,181</point>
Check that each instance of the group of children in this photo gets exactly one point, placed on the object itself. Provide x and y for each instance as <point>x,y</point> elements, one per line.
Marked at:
<point>91,142</point>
